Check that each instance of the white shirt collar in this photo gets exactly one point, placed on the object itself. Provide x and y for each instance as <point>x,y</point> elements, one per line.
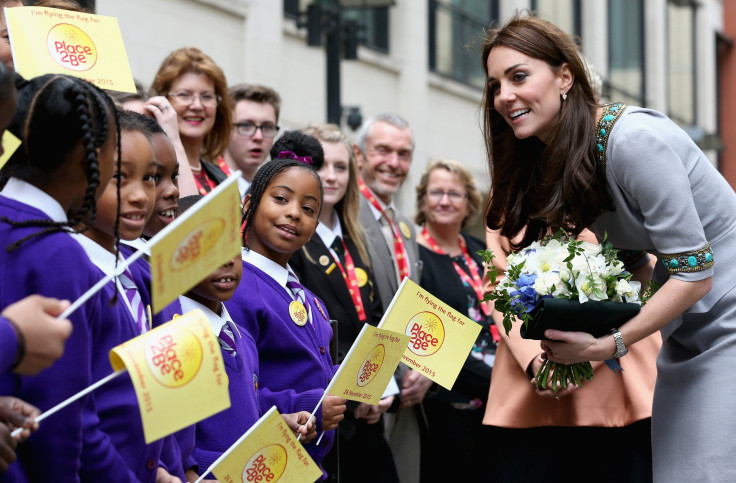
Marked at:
<point>25,192</point>
<point>328,234</point>
<point>271,268</point>
<point>243,185</point>
<point>216,321</point>
<point>103,259</point>
<point>137,245</point>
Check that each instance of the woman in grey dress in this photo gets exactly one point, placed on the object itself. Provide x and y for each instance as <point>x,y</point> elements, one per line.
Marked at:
<point>560,160</point>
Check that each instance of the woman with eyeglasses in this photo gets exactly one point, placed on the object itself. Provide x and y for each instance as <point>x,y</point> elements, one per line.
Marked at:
<point>197,90</point>
<point>447,198</point>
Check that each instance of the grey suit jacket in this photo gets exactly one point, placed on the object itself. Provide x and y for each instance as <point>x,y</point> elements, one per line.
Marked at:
<point>380,253</point>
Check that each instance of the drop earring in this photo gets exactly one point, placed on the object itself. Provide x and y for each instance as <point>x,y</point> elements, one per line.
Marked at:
<point>564,96</point>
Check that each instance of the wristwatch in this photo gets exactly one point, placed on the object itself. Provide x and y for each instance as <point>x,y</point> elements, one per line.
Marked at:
<point>621,349</point>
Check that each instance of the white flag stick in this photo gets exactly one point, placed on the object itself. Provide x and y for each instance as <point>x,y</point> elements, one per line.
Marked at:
<point>98,286</point>
<point>391,305</point>
<point>78,395</point>
<point>234,445</point>
<point>334,378</point>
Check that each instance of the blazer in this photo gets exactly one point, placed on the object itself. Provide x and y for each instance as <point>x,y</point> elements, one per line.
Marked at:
<point>380,252</point>
<point>213,172</point>
<point>359,441</point>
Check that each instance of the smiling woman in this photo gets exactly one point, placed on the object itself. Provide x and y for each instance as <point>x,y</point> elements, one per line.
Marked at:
<point>560,160</point>
<point>197,90</point>
<point>447,198</point>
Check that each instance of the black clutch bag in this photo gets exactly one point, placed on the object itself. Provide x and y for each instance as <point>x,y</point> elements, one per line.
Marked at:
<point>594,317</point>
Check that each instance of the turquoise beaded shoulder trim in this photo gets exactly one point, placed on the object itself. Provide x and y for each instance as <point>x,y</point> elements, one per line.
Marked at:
<point>611,113</point>
<point>692,261</point>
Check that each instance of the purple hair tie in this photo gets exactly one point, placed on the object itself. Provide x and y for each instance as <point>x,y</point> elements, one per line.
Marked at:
<point>290,155</point>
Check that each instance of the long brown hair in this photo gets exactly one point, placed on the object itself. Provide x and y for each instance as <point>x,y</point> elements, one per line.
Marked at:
<point>192,60</point>
<point>348,207</point>
<point>538,186</point>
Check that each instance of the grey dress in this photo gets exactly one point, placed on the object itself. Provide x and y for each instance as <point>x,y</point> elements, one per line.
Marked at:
<point>671,202</point>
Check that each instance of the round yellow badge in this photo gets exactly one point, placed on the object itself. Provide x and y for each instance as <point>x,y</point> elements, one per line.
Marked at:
<point>405,230</point>
<point>324,260</point>
<point>361,276</point>
<point>298,313</point>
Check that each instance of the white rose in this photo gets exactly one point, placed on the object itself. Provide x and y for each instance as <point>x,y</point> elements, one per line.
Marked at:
<point>632,296</point>
<point>547,283</point>
<point>591,287</point>
<point>590,249</point>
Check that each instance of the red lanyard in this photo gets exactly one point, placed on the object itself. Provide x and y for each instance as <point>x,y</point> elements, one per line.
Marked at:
<point>351,280</point>
<point>402,260</point>
<point>475,282</point>
<point>204,183</point>
<point>223,166</point>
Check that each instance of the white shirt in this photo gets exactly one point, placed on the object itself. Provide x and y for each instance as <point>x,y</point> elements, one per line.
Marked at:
<point>216,321</point>
<point>327,234</point>
<point>105,261</point>
<point>24,192</point>
<point>243,185</point>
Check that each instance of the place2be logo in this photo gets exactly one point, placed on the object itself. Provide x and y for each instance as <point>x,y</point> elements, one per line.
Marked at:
<point>174,357</point>
<point>71,48</point>
<point>197,243</point>
<point>427,334</point>
<point>267,465</point>
<point>371,365</point>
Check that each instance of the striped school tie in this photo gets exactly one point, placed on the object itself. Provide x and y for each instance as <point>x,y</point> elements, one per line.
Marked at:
<point>227,339</point>
<point>297,289</point>
<point>134,298</point>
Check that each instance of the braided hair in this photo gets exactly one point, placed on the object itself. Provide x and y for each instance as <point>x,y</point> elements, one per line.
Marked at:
<point>263,178</point>
<point>55,113</point>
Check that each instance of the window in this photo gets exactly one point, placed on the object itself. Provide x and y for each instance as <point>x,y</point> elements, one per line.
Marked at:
<point>625,52</point>
<point>681,62</point>
<point>455,30</point>
<point>563,13</point>
<point>373,21</point>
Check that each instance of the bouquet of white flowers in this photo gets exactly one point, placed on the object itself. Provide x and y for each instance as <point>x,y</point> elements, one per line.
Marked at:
<point>584,285</point>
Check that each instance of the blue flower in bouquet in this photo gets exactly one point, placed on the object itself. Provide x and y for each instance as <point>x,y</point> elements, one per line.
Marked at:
<point>525,298</point>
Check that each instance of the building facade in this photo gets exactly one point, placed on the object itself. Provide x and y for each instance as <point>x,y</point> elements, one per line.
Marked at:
<point>421,59</point>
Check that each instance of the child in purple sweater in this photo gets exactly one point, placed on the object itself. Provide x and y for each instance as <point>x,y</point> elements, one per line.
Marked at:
<point>51,183</point>
<point>214,435</point>
<point>289,324</point>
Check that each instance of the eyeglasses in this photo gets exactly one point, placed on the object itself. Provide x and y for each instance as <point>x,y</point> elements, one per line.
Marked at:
<point>206,99</point>
<point>454,196</point>
<point>249,129</point>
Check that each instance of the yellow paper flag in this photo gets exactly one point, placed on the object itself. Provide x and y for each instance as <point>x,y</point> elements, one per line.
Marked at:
<point>367,368</point>
<point>441,338</point>
<point>190,249</point>
<point>177,373</point>
<point>10,144</point>
<point>269,451</point>
<point>55,41</point>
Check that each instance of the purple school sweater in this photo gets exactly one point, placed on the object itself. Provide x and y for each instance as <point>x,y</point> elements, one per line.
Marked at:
<point>118,413</point>
<point>177,448</point>
<point>295,365</point>
<point>54,265</point>
<point>217,433</point>
<point>8,344</point>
